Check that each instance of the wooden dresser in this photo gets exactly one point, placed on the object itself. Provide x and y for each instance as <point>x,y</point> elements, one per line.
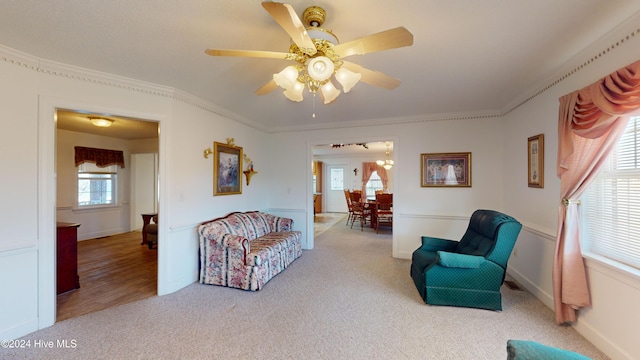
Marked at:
<point>67,257</point>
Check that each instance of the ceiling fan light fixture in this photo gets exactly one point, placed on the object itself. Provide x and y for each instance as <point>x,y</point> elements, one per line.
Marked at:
<point>318,55</point>
<point>347,78</point>
<point>294,93</point>
<point>286,78</point>
<point>329,92</point>
<point>320,68</point>
<point>100,122</point>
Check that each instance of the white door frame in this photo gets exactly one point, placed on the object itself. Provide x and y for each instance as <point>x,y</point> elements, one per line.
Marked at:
<point>47,180</point>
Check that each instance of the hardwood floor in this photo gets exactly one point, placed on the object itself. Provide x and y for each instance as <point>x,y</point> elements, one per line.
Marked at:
<point>113,270</point>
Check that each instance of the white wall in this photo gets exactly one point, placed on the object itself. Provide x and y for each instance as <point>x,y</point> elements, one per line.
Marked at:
<point>19,199</point>
<point>94,222</point>
<point>612,320</point>
<point>32,89</point>
<point>417,210</point>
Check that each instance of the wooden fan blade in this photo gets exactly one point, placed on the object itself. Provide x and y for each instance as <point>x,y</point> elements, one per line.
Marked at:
<point>267,88</point>
<point>248,53</point>
<point>385,40</point>
<point>284,15</point>
<point>372,77</point>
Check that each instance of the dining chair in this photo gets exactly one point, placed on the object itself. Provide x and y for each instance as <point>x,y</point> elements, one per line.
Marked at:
<point>349,206</point>
<point>382,213</point>
<point>360,209</point>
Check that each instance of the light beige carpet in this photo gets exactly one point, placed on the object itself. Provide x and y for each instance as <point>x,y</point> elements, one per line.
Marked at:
<point>346,299</point>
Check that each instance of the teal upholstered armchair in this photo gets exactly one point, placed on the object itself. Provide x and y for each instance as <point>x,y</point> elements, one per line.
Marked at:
<point>468,272</point>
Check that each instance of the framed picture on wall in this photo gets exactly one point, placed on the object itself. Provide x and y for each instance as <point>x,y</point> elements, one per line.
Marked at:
<point>535,151</point>
<point>445,170</point>
<point>227,169</point>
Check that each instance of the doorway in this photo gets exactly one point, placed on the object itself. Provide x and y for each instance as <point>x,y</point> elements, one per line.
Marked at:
<point>113,267</point>
<point>345,160</point>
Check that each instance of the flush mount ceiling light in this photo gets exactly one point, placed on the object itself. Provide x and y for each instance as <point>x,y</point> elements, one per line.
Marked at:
<point>318,55</point>
<point>100,122</point>
<point>387,163</point>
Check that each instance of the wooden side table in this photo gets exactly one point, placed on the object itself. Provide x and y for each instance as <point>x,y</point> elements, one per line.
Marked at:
<point>67,257</point>
<point>146,219</point>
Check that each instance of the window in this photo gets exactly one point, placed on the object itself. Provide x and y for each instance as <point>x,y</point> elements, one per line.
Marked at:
<point>611,205</point>
<point>337,179</point>
<point>96,186</point>
<point>374,183</point>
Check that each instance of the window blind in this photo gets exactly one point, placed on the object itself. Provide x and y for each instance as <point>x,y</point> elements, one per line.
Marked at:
<point>611,205</point>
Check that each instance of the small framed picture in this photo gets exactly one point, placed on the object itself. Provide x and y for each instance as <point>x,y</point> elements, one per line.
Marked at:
<point>227,169</point>
<point>535,151</point>
<point>445,170</point>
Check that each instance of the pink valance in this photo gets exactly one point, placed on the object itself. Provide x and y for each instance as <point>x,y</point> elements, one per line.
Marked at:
<point>101,157</point>
<point>597,107</point>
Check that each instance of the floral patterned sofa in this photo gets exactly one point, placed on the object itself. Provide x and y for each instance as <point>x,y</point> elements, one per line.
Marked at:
<point>245,250</point>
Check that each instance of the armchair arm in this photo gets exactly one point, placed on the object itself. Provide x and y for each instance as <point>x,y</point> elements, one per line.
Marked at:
<point>437,244</point>
<point>455,260</point>
<point>233,241</point>
<point>236,243</point>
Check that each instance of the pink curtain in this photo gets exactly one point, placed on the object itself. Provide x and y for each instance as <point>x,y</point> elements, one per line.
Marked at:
<point>367,169</point>
<point>590,124</point>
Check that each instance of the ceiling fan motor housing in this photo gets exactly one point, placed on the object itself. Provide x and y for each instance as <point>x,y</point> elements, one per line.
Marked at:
<point>314,16</point>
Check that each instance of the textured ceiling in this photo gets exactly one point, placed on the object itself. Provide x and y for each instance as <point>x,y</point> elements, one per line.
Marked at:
<point>468,56</point>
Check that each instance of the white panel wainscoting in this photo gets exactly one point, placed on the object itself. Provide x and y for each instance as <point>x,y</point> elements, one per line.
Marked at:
<point>178,247</point>
<point>408,230</point>
<point>614,293</point>
<point>19,274</point>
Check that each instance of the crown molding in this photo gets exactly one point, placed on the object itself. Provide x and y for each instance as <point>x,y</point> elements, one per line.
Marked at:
<point>471,115</point>
<point>199,103</point>
<point>58,69</point>
<point>18,58</point>
<point>101,78</point>
<point>622,35</point>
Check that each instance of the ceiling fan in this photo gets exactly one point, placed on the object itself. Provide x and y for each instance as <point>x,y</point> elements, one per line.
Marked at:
<point>318,55</point>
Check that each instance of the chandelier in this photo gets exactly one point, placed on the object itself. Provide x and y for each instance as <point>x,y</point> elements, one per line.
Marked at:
<point>387,163</point>
<point>315,72</point>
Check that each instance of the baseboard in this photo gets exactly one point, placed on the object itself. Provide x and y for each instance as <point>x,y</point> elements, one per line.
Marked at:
<point>20,329</point>
<point>542,295</point>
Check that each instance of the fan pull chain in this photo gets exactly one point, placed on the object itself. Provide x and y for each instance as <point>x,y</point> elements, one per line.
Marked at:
<point>314,105</point>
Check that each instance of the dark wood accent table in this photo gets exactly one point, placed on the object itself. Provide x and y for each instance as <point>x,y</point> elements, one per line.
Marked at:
<point>67,257</point>
<point>146,219</point>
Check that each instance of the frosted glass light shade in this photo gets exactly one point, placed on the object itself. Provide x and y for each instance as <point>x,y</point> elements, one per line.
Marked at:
<point>322,34</point>
<point>320,68</point>
<point>329,92</point>
<point>347,78</point>
<point>380,162</point>
<point>100,122</point>
<point>294,93</point>
<point>286,78</point>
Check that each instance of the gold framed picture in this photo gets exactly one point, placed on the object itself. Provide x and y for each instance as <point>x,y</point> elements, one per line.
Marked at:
<point>445,170</point>
<point>535,151</point>
<point>227,169</point>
